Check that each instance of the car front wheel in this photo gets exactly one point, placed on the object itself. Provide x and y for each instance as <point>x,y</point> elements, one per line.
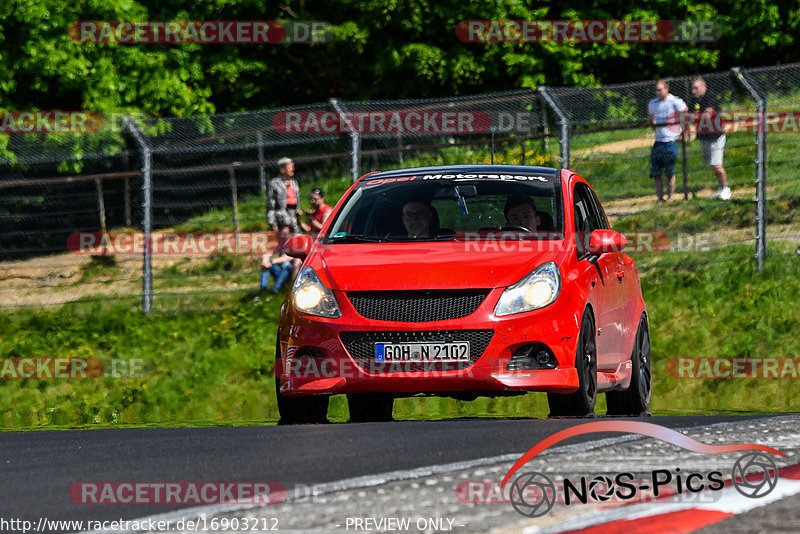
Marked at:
<point>581,402</point>
<point>636,399</point>
<point>298,410</point>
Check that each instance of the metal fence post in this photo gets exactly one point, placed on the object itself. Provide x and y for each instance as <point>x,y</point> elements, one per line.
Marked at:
<point>127,192</point>
<point>761,164</point>
<point>685,168</point>
<point>399,148</point>
<point>262,176</point>
<point>687,92</point>
<point>545,128</point>
<point>101,204</point>
<point>234,200</point>
<point>563,120</point>
<point>355,156</point>
<point>147,215</point>
<point>355,140</point>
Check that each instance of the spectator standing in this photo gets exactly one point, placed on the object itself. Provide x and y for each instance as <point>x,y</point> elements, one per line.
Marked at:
<point>664,111</point>
<point>712,142</point>
<point>282,198</point>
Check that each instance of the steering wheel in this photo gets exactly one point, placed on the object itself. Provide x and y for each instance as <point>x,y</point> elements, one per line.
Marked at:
<point>514,227</point>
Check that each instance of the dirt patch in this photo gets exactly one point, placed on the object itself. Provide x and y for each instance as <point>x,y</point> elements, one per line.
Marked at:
<point>616,147</point>
<point>628,206</point>
<point>57,279</point>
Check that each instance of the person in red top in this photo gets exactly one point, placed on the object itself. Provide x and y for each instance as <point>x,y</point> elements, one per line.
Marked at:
<point>317,216</point>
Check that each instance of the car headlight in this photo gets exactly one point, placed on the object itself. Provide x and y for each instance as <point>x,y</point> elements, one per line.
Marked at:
<point>310,296</point>
<point>537,290</point>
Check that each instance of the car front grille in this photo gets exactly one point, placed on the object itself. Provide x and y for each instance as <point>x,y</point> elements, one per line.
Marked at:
<point>361,346</point>
<point>417,306</point>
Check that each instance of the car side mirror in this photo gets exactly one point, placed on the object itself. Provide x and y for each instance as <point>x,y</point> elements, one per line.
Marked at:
<point>602,241</point>
<point>298,246</point>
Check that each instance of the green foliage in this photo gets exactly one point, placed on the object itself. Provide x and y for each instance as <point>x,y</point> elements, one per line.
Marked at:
<point>376,50</point>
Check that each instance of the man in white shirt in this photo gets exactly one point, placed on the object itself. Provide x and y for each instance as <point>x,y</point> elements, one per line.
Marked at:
<point>664,111</point>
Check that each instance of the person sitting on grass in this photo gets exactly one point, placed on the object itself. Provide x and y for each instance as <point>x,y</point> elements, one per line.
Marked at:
<point>277,263</point>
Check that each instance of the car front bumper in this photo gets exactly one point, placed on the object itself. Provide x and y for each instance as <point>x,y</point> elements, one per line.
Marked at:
<point>315,359</point>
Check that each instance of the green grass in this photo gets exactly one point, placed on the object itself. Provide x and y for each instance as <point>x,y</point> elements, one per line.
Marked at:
<point>211,367</point>
<point>98,266</point>
<point>214,365</point>
<point>716,305</point>
<point>707,215</point>
<point>626,174</point>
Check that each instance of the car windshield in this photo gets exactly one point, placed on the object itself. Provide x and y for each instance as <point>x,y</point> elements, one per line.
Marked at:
<point>437,207</point>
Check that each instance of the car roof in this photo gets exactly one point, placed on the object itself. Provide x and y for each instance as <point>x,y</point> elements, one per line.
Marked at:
<point>471,169</point>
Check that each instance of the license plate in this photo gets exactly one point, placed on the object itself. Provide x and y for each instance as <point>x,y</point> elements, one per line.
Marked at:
<point>457,351</point>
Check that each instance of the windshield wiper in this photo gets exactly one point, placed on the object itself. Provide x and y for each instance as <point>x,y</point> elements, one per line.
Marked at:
<point>446,237</point>
<point>354,238</point>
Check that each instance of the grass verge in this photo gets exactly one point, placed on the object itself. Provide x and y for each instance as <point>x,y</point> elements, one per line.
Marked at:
<point>215,366</point>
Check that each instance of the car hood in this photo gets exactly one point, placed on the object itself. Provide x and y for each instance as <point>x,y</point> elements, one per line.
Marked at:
<point>442,265</point>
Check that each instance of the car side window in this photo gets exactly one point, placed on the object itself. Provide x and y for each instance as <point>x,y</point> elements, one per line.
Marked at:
<point>586,218</point>
<point>598,208</point>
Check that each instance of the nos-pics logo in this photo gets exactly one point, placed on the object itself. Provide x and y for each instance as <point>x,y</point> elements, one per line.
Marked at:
<point>534,494</point>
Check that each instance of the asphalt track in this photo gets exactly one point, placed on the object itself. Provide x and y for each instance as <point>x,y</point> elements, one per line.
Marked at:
<point>38,468</point>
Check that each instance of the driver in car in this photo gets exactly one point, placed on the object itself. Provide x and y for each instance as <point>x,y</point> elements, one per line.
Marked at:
<point>418,219</point>
<point>521,211</point>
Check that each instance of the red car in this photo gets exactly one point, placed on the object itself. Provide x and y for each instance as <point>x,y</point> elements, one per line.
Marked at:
<point>463,281</point>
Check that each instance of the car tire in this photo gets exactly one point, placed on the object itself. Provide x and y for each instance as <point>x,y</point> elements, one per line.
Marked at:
<point>581,402</point>
<point>636,399</point>
<point>298,410</point>
<point>370,407</point>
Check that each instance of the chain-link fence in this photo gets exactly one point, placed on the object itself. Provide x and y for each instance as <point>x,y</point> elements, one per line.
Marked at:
<point>612,139</point>
<point>179,179</point>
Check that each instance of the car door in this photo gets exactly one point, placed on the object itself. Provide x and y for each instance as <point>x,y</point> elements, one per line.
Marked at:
<point>587,220</point>
<point>619,289</point>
